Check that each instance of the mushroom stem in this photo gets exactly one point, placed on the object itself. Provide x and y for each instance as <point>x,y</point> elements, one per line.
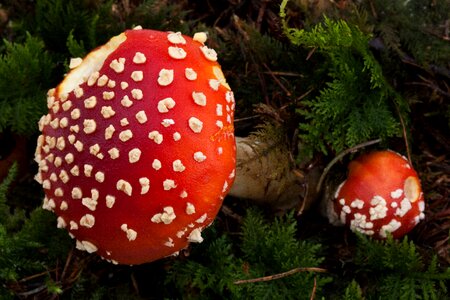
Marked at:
<point>264,174</point>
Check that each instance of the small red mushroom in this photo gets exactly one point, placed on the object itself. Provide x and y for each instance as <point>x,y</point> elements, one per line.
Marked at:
<point>137,151</point>
<point>381,194</point>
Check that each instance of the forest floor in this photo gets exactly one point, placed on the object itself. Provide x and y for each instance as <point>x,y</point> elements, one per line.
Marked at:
<point>426,134</point>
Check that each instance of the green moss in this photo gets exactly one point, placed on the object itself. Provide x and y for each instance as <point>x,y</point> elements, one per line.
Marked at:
<point>25,73</point>
<point>266,248</point>
<point>355,102</point>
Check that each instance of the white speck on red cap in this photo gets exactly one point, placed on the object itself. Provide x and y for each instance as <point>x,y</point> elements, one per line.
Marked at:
<point>60,143</point>
<point>75,114</point>
<point>64,176</point>
<point>169,243</point>
<point>210,54</point>
<point>125,135</point>
<point>63,206</point>
<point>195,124</point>
<point>75,171</point>
<point>167,216</point>
<point>134,155</point>
<point>214,84</point>
<point>167,122</point>
<point>61,223</point>
<point>89,203</point>
<point>87,170</point>
<point>190,74</point>
<point>201,219</point>
<point>109,131</point>
<point>126,102</point>
<point>66,105</point>
<point>178,166</point>
<point>392,226</point>
<point>145,185</point>
<point>199,156</point>
<point>176,136</point>
<point>89,126</point>
<point>94,149</point>
<point>124,122</point>
<point>100,176</point>
<point>397,193</point>
<point>200,37</point>
<point>93,78</point>
<point>64,122</point>
<point>195,236</point>
<point>165,105</point>
<point>87,220</point>
<point>108,95</point>
<point>219,110</point>
<point>176,38</point>
<point>77,193</point>
<point>169,184</point>
<point>181,233</point>
<point>177,53</point>
<point>405,206</point>
<point>118,65</point>
<point>113,153</point>
<point>102,80</point>
<point>357,203</point>
<point>54,123</point>
<point>79,92</point>
<point>156,164</point>
<point>89,247</point>
<point>73,225</point>
<point>79,146</point>
<point>139,58</point>
<point>165,77</point>
<point>190,208</point>
<point>199,98</point>
<point>137,76</point>
<point>124,186</point>
<point>155,136</point>
<point>111,84</point>
<point>110,200</point>
<point>107,112</point>
<point>141,117</point>
<point>131,234</point>
<point>123,85</point>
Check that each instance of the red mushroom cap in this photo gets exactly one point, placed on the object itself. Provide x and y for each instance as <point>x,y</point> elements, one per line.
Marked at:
<point>137,151</point>
<point>381,194</point>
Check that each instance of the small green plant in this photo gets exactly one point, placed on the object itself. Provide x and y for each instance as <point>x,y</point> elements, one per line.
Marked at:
<point>397,270</point>
<point>25,73</point>
<point>353,292</point>
<point>355,103</point>
<point>29,245</point>
<point>414,28</point>
<point>266,248</point>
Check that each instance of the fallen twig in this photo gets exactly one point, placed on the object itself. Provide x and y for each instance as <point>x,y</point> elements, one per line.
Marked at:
<point>280,275</point>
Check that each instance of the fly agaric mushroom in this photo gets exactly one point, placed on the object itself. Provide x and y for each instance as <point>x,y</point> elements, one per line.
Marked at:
<point>382,194</point>
<point>137,151</point>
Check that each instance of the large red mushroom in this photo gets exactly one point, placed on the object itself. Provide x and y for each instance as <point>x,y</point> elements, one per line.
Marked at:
<point>137,150</point>
<point>381,195</point>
